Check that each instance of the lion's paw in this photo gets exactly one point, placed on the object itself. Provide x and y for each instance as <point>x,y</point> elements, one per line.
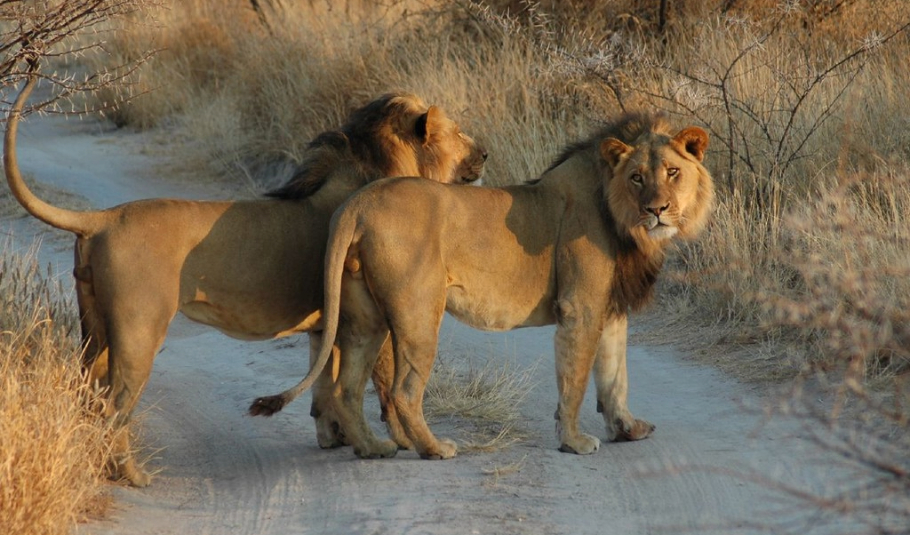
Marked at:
<point>622,431</point>
<point>445,449</point>
<point>130,471</point>
<point>582,444</point>
<point>329,434</point>
<point>380,449</point>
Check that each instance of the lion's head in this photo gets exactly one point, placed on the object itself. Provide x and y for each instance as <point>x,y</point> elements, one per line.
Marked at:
<point>658,187</point>
<point>394,135</point>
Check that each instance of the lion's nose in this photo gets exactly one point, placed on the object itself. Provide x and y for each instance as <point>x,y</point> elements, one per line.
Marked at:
<point>657,210</point>
<point>484,155</point>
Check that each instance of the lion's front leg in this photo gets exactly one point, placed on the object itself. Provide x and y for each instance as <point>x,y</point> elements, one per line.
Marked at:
<point>612,382</point>
<point>576,343</point>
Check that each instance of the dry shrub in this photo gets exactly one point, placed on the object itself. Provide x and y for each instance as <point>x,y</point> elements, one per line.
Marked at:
<point>53,443</point>
<point>868,452</point>
<point>483,401</point>
<point>851,301</point>
<point>826,281</point>
<point>195,42</point>
<point>833,280</point>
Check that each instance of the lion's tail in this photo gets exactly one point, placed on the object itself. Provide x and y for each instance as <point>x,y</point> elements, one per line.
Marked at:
<point>341,236</point>
<point>82,223</point>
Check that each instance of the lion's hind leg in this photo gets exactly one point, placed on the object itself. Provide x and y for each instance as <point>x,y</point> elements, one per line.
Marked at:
<point>361,334</point>
<point>94,339</point>
<point>413,364</point>
<point>415,334</point>
<point>358,355</point>
<point>383,378</point>
<point>130,368</point>
<point>329,431</point>
<point>612,382</point>
<point>328,428</point>
<point>136,326</point>
<point>94,333</point>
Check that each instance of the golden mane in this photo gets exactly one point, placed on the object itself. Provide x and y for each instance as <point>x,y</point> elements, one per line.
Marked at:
<point>362,143</point>
<point>626,128</point>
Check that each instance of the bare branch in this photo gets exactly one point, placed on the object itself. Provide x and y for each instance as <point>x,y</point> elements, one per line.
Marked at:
<point>39,32</point>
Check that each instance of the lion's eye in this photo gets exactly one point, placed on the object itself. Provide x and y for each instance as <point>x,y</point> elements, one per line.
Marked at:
<point>637,179</point>
<point>672,172</point>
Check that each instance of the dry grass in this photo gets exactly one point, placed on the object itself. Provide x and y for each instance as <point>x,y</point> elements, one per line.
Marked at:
<point>243,98</point>
<point>497,472</point>
<point>483,401</point>
<point>54,444</point>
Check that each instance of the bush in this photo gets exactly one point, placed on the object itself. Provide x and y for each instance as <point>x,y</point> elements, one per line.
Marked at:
<point>54,443</point>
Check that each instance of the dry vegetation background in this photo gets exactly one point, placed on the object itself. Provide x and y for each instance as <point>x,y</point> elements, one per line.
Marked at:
<point>805,271</point>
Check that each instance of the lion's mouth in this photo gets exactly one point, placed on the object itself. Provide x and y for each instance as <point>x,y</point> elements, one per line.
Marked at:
<point>658,229</point>
<point>470,176</point>
<point>662,231</point>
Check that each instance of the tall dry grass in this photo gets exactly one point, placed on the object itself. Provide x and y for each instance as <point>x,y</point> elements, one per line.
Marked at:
<point>243,96</point>
<point>54,445</point>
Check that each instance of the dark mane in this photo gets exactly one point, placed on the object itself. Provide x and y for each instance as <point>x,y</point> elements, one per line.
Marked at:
<point>636,272</point>
<point>356,143</point>
<point>626,128</point>
<point>316,167</point>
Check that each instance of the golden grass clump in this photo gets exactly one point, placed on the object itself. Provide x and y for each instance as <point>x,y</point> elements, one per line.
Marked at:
<point>53,443</point>
<point>484,401</point>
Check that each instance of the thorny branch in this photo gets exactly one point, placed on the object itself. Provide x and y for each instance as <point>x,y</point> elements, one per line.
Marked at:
<point>36,33</point>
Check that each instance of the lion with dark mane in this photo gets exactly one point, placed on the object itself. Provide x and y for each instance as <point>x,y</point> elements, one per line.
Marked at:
<point>252,269</point>
<point>580,247</point>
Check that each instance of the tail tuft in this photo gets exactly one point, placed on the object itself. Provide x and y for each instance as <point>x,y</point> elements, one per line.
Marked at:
<point>267,406</point>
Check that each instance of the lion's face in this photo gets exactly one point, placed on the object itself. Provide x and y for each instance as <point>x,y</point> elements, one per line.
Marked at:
<point>658,188</point>
<point>441,151</point>
<point>452,151</point>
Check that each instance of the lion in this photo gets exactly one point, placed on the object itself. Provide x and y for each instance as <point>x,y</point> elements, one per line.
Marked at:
<point>251,269</point>
<point>580,247</point>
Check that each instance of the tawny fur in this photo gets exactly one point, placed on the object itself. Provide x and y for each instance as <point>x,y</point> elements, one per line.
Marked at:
<point>580,247</point>
<point>252,269</point>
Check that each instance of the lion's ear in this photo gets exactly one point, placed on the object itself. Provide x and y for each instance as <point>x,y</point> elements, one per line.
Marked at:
<point>612,150</point>
<point>695,140</point>
<point>428,123</point>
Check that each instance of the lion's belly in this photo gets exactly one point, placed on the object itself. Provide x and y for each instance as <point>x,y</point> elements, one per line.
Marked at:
<point>251,322</point>
<point>491,312</point>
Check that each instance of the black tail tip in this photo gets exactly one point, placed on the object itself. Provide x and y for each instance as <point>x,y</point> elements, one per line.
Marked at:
<point>267,406</point>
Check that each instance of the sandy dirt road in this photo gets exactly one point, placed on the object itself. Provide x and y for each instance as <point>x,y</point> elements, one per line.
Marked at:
<point>222,472</point>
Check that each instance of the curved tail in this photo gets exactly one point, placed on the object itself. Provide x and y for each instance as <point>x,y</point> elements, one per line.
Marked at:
<point>340,239</point>
<point>82,223</point>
